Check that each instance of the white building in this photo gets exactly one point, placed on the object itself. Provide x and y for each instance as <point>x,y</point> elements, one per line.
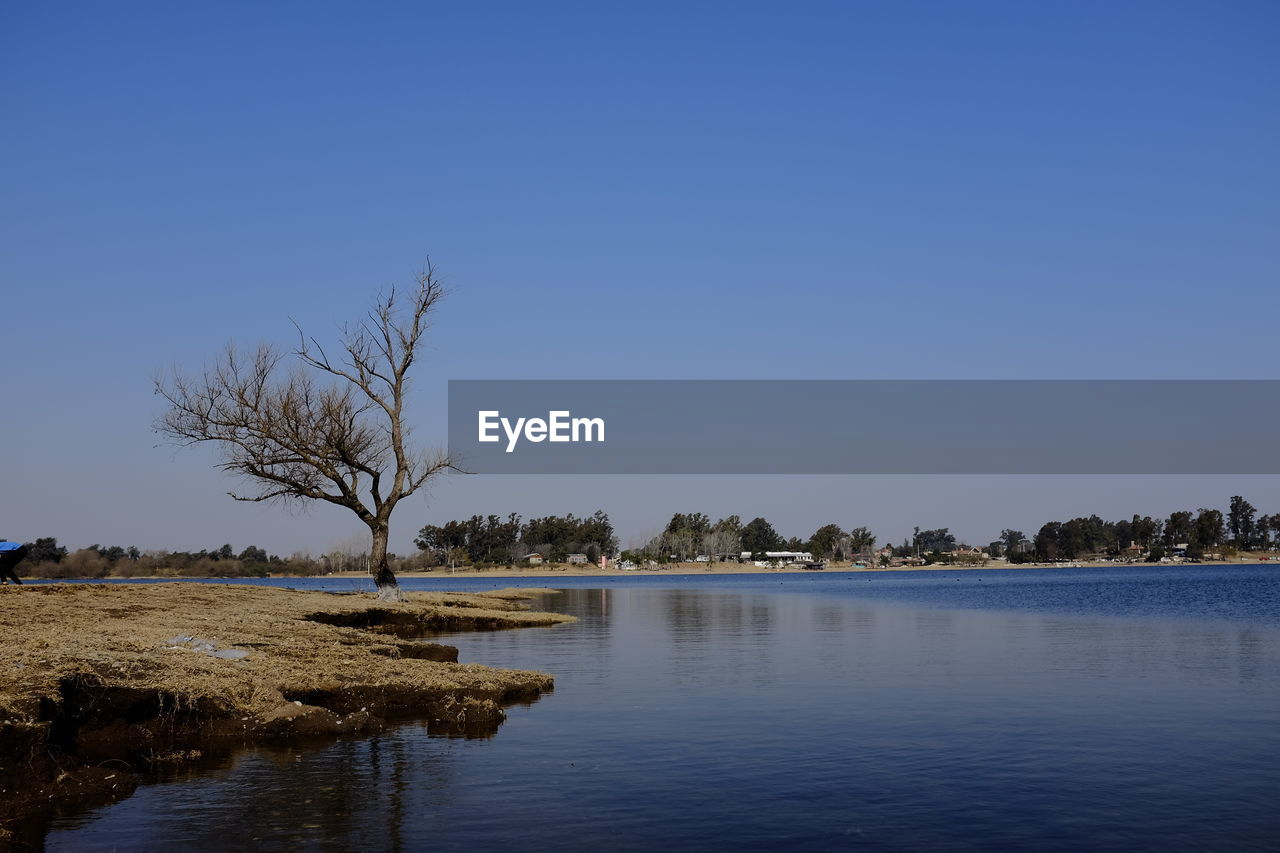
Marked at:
<point>783,556</point>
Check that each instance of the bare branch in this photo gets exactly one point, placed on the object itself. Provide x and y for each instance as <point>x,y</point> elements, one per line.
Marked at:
<point>345,442</point>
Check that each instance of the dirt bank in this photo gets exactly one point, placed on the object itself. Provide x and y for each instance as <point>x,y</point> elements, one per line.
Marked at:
<point>100,681</point>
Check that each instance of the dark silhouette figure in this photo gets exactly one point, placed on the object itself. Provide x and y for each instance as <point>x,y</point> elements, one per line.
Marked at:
<point>11,553</point>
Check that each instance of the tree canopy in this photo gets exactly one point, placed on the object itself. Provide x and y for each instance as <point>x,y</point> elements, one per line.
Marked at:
<point>332,429</point>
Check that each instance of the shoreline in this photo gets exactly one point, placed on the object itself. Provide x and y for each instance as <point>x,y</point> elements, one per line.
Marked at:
<point>685,569</point>
<point>671,570</point>
<point>106,682</point>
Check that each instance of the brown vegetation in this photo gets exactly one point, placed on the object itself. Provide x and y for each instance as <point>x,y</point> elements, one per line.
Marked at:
<point>102,680</point>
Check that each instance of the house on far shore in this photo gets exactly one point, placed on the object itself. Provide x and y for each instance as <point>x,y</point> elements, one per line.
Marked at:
<point>780,557</point>
<point>578,559</point>
<point>535,559</point>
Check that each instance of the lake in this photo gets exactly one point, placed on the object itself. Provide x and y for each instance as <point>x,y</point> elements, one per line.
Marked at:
<point>1127,708</point>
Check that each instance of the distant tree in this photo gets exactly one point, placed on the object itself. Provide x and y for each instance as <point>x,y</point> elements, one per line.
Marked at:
<point>85,563</point>
<point>731,523</point>
<point>694,523</point>
<point>1010,541</point>
<point>555,536</point>
<point>679,543</point>
<point>930,541</point>
<point>253,554</point>
<point>1047,541</point>
<point>600,530</point>
<point>861,541</point>
<point>1145,531</point>
<point>1240,522</point>
<point>1209,528</point>
<point>825,540</point>
<point>759,536</point>
<point>684,534</point>
<point>1178,529</point>
<point>110,553</point>
<point>1085,536</point>
<point>45,550</point>
<point>724,539</point>
<point>442,539</point>
<point>1262,533</point>
<point>344,440</point>
<point>489,538</point>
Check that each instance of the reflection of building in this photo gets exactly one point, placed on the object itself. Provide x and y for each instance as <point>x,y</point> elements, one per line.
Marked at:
<point>578,559</point>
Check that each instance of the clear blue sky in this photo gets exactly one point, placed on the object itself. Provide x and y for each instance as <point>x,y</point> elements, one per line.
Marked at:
<point>713,190</point>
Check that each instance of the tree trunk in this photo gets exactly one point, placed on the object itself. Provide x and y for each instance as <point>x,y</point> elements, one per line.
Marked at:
<point>383,578</point>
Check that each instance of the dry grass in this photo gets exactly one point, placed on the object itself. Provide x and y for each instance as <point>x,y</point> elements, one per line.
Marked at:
<point>92,670</point>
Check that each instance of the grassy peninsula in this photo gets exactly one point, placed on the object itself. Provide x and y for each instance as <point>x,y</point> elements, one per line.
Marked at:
<point>102,681</point>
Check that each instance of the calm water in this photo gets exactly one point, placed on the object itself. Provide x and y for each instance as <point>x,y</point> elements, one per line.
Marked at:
<point>1063,710</point>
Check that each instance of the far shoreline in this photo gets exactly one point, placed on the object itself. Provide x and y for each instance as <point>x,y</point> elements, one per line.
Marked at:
<point>671,570</point>
<point>685,569</point>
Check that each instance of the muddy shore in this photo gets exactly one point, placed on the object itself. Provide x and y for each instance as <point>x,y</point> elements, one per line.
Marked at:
<point>103,681</point>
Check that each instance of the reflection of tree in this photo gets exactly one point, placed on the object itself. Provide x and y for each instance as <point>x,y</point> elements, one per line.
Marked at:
<point>589,605</point>
<point>1250,652</point>
<point>829,619</point>
<point>761,617</point>
<point>864,622</point>
<point>349,795</point>
<point>355,793</point>
<point>938,626</point>
<point>687,614</point>
<point>729,614</point>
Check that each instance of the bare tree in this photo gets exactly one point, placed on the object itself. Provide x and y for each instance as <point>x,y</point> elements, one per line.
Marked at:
<point>720,543</point>
<point>342,439</point>
<point>861,541</point>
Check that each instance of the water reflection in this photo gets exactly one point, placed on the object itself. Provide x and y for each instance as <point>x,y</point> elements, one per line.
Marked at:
<point>704,719</point>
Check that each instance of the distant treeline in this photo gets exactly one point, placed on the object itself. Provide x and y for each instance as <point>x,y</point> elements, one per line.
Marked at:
<point>1205,532</point>
<point>493,540</point>
<point>47,559</point>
